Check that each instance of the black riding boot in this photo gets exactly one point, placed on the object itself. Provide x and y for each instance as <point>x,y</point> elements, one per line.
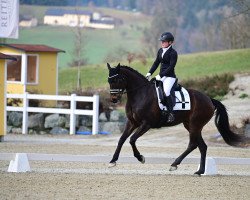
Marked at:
<point>169,105</point>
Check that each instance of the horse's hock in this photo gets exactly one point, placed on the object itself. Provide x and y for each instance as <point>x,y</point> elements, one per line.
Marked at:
<point>59,124</point>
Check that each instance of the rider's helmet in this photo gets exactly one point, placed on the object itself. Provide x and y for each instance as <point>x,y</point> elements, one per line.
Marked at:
<point>167,36</point>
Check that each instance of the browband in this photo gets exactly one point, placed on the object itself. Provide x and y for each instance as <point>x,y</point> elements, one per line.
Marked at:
<point>113,76</point>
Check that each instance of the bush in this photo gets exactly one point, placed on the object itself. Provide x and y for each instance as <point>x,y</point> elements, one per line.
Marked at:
<point>215,86</point>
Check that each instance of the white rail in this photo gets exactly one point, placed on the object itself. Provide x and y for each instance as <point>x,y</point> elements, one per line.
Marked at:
<point>72,111</point>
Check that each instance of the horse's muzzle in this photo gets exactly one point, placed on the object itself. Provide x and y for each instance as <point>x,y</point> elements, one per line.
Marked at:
<point>114,98</point>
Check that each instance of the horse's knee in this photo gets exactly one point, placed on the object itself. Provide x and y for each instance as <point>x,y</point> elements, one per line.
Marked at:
<point>192,146</point>
<point>122,139</point>
<point>132,140</point>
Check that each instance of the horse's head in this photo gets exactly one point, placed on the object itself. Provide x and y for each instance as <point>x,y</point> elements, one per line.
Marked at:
<point>117,83</point>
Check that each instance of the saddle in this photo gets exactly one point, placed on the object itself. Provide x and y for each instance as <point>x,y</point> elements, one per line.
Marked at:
<point>179,96</point>
<point>162,95</point>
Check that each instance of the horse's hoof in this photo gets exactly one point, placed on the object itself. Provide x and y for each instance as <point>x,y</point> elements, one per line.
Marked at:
<point>173,168</point>
<point>197,175</point>
<point>113,164</point>
<point>142,159</point>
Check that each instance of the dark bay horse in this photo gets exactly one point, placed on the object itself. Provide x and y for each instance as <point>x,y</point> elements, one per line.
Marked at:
<point>143,113</point>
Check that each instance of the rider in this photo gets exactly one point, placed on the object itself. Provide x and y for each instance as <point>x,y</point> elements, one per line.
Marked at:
<point>167,56</point>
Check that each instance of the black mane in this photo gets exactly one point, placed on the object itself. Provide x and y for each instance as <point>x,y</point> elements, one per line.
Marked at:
<point>134,71</point>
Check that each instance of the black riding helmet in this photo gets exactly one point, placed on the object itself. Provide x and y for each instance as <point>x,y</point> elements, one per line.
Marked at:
<point>167,36</point>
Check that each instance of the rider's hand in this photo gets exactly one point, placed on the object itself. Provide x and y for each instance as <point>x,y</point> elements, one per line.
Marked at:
<point>148,75</point>
<point>158,77</point>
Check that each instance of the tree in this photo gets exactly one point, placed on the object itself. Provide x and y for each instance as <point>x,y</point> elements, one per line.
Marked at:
<point>235,32</point>
<point>45,2</point>
<point>165,19</point>
<point>78,58</point>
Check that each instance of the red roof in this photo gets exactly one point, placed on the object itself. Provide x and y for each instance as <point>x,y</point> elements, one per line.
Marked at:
<point>4,56</point>
<point>33,47</point>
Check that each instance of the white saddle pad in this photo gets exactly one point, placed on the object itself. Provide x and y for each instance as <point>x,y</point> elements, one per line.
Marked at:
<point>182,101</point>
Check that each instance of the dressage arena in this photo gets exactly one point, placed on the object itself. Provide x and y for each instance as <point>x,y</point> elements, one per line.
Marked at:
<point>128,180</point>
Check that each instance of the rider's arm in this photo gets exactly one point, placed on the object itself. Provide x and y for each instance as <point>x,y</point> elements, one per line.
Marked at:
<point>155,64</point>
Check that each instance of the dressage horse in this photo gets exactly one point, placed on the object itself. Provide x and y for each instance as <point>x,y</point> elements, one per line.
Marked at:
<point>143,113</point>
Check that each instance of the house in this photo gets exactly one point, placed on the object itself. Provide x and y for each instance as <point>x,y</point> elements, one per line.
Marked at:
<point>67,17</point>
<point>28,22</point>
<point>3,60</point>
<point>101,24</point>
<point>77,18</point>
<point>35,69</point>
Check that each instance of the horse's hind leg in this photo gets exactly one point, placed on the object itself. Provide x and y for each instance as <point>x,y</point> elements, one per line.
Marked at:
<point>191,146</point>
<point>196,140</point>
<point>129,128</point>
<point>203,150</point>
<point>139,132</point>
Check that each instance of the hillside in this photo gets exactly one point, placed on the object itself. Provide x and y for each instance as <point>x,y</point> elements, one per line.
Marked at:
<point>100,45</point>
<point>189,66</point>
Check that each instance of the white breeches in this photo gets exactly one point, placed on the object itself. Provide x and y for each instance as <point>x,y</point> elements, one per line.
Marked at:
<point>168,83</point>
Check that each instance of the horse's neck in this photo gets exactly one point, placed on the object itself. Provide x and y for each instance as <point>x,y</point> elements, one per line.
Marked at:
<point>134,81</point>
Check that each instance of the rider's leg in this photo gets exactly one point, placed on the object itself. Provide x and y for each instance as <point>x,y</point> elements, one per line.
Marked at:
<point>168,83</point>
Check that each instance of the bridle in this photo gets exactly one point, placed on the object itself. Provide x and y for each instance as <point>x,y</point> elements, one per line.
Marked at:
<point>117,91</point>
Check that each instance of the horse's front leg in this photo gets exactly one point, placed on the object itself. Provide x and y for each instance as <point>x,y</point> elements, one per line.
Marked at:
<point>139,132</point>
<point>129,128</point>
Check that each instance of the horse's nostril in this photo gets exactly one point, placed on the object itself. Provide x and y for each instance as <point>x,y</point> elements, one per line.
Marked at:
<point>114,101</point>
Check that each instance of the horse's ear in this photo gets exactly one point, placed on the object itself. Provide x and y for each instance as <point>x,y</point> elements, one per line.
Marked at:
<point>108,65</point>
<point>118,67</point>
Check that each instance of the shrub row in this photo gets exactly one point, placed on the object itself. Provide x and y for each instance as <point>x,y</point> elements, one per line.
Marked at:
<point>214,86</point>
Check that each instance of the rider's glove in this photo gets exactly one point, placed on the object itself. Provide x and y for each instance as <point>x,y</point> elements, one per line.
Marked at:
<point>148,75</point>
<point>158,77</point>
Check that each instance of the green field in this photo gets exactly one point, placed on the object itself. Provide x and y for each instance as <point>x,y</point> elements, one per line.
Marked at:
<point>125,37</point>
<point>99,43</point>
<point>189,66</point>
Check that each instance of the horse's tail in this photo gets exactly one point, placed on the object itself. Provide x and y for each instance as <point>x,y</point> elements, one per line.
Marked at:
<point>222,124</point>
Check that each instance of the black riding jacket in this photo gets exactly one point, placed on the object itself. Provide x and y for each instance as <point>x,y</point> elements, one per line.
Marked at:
<point>168,63</point>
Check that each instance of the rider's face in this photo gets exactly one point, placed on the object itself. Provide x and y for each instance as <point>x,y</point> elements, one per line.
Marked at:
<point>165,44</point>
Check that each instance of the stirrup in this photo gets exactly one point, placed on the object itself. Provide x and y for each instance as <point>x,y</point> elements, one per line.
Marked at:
<point>164,113</point>
<point>170,117</point>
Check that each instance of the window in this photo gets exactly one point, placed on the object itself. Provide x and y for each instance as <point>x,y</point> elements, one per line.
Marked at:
<point>31,69</point>
<point>14,69</point>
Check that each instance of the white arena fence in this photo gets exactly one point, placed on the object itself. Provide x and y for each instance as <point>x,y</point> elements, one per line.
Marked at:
<point>19,162</point>
<point>72,111</point>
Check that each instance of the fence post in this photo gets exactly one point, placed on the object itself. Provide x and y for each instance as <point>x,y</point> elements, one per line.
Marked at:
<point>72,115</point>
<point>25,113</point>
<point>95,114</point>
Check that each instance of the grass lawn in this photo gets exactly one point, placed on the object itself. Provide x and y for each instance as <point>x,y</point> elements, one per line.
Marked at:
<point>189,66</point>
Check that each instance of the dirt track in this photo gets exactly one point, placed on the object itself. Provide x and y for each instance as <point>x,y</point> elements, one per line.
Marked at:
<point>74,180</point>
<point>82,186</point>
<point>60,180</point>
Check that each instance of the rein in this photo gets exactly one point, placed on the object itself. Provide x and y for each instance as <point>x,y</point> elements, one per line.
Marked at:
<point>138,87</point>
<point>124,91</point>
